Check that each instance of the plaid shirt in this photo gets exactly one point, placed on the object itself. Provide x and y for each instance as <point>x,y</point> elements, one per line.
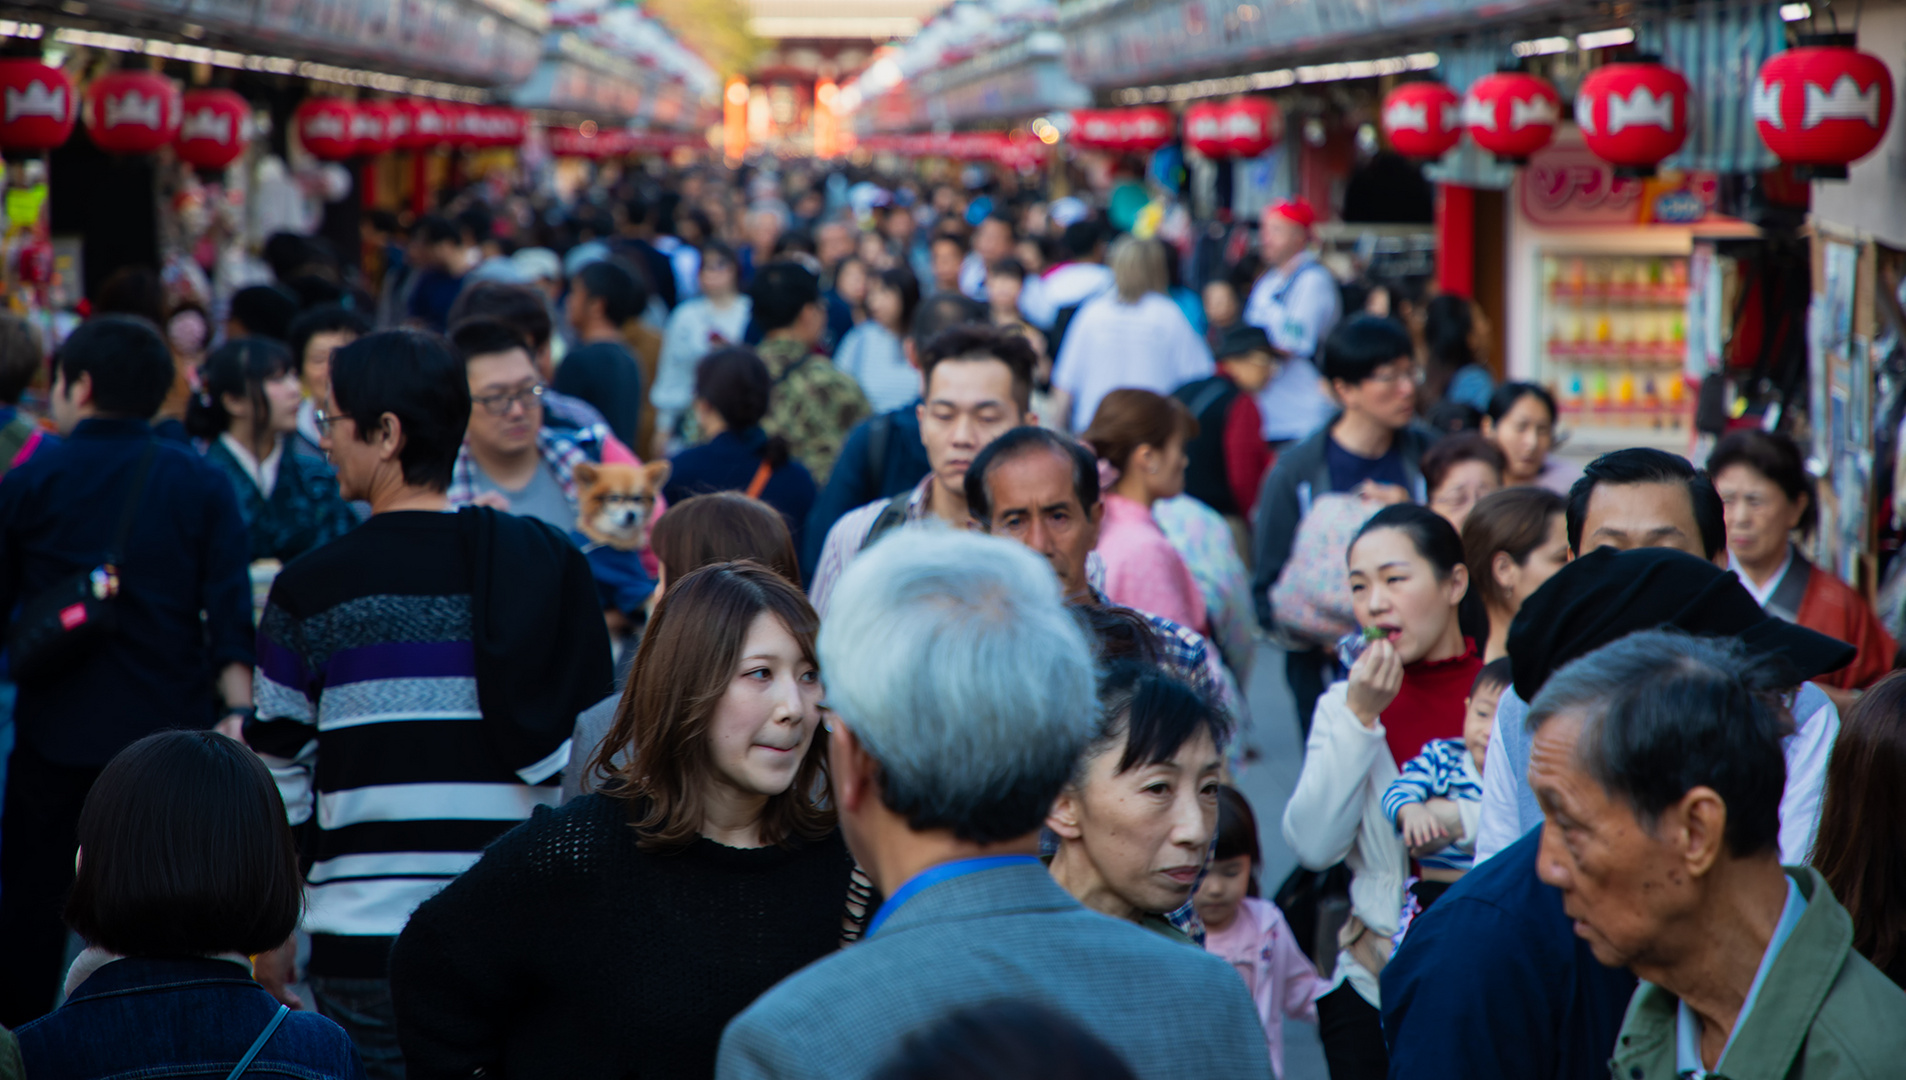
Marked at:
<point>562,453</point>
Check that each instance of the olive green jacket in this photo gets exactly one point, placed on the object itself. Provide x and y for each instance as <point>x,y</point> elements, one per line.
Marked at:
<point>1823,1011</point>
<point>813,404</point>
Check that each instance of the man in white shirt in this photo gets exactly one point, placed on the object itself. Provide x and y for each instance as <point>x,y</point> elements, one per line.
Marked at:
<point>1079,277</point>
<point>978,386</point>
<point>1297,303</point>
<point>1668,583</point>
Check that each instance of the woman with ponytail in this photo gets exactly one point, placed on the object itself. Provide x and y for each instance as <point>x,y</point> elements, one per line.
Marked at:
<point>1140,439</point>
<point>244,409</point>
<point>732,393</point>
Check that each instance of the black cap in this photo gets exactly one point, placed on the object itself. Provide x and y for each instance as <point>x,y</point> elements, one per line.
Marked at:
<point>1243,338</point>
<point>1606,595</point>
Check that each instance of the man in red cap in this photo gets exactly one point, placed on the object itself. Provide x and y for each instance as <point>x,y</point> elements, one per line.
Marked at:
<point>1296,302</point>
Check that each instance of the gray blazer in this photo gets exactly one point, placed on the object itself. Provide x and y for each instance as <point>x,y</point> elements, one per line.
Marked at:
<point>1012,934</point>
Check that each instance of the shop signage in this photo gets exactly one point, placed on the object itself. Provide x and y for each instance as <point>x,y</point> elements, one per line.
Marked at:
<point>1569,187</point>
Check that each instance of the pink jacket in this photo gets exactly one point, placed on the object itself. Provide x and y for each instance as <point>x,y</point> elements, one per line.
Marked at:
<point>1143,570</point>
<point>1260,945</point>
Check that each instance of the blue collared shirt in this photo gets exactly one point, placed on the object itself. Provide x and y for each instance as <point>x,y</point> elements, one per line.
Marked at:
<point>1687,1027</point>
<point>934,875</point>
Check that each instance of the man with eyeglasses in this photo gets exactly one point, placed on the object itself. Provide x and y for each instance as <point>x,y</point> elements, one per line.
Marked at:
<point>1370,448</point>
<point>510,460</point>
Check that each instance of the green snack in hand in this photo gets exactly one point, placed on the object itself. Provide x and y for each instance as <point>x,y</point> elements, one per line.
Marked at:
<point>1374,633</point>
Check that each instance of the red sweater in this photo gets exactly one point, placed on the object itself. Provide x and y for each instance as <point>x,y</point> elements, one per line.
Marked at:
<point>1430,704</point>
<point>1246,456</point>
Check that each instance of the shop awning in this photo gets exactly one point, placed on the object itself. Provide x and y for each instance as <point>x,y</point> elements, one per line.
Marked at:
<point>1117,43</point>
<point>471,42</point>
<point>1719,47</point>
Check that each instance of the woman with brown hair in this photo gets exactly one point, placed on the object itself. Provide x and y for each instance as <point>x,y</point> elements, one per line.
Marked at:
<point>1513,541</point>
<point>618,934</point>
<point>1860,848</point>
<point>1140,436</point>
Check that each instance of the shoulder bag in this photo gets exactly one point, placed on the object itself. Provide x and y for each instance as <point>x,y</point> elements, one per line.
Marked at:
<point>66,622</point>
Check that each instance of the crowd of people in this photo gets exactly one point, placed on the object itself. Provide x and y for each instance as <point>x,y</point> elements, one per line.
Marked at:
<point>787,625</point>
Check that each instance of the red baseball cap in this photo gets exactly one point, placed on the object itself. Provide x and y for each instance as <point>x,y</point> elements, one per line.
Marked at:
<point>1295,209</point>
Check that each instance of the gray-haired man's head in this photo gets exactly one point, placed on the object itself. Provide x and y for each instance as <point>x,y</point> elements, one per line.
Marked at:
<point>1657,760</point>
<point>954,663</point>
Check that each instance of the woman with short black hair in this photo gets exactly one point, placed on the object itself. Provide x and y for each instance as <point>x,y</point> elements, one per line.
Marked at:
<point>186,868</point>
<point>732,394</point>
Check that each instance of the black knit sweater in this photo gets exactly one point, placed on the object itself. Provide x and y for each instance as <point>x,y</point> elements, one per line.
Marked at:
<point>566,951</point>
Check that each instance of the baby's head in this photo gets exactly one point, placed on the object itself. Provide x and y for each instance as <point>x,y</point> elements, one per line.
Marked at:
<point>1481,707</point>
<point>1234,862</point>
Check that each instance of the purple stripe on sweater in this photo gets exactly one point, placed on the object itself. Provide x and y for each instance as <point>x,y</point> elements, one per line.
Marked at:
<point>401,660</point>
<point>281,665</point>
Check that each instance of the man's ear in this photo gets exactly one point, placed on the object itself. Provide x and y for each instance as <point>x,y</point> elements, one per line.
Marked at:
<point>1699,822</point>
<point>390,437</point>
<point>854,773</point>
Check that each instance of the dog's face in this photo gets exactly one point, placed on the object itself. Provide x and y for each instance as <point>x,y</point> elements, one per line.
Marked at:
<point>616,502</point>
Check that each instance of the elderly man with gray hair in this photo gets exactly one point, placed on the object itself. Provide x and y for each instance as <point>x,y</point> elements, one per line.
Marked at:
<point>1658,764</point>
<point>942,778</point>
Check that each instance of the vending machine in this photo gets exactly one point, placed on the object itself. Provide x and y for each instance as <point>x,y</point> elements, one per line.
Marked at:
<point>1611,343</point>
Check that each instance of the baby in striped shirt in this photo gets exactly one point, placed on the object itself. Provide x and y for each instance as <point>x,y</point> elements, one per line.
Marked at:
<point>1436,799</point>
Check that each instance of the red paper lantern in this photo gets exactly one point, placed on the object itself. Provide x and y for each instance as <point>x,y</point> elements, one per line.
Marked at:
<point>38,105</point>
<point>510,127</point>
<point>132,112</point>
<point>1511,114</point>
<point>1096,129</point>
<point>1423,119</point>
<point>325,128</point>
<point>1204,130</point>
<point>1633,115</point>
<point>216,128</point>
<point>1251,126</point>
<point>1823,105</point>
<point>424,124</point>
<point>1145,129</point>
<point>370,127</point>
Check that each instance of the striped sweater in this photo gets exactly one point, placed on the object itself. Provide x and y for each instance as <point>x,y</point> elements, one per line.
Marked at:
<point>367,715</point>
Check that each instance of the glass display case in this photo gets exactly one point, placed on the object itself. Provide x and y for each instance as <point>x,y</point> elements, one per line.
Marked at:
<point>1613,340</point>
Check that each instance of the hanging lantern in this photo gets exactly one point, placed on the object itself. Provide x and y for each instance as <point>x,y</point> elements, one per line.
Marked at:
<point>1633,114</point>
<point>1251,126</point>
<point>324,127</point>
<point>509,127</point>
<point>1511,114</point>
<point>1096,129</point>
<point>423,124</point>
<point>132,112</point>
<point>1823,105</point>
<point>216,128</point>
<point>1145,129</point>
<point>370,127</point>
<point>1204,130</point>
<point>397,121</point>
<point>1423,119</point>
<point>37,105</point>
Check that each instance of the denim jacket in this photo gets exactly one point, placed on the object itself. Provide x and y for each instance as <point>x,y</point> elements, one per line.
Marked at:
<point>179,1019</point>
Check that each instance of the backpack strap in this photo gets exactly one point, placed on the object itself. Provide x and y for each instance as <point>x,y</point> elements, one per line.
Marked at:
<point>760,480</point>
<point>1208,396</point>
<point>892,516</point>
<point>259,1043</point>
<point>879,437</point>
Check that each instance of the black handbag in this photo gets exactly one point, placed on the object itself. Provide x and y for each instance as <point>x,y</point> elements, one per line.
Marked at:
<point>66,622</point>
<point>1316,905</point>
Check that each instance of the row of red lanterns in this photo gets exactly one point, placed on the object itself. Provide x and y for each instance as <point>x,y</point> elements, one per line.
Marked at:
<point>333,129</point>
<point>1823,105</point>
<point>126,112</point>
<point>1239,128</point>
<point>137,112</point>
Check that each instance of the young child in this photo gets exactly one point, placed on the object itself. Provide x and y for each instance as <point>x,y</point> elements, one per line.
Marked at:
<point>1436,799</point>
<point>1251,933</point>
<point>1228,458</point>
